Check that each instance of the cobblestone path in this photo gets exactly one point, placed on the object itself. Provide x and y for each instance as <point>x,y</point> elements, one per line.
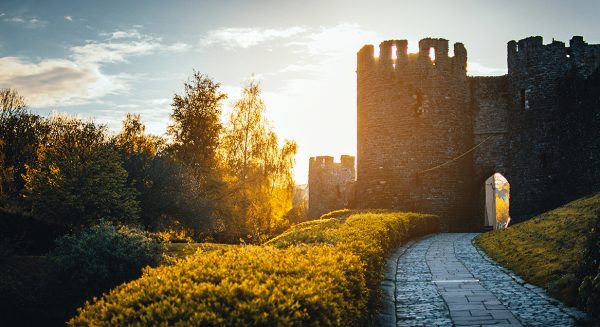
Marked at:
<point>443,280</point>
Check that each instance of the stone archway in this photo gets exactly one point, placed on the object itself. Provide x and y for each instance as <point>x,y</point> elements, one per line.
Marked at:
<point>496,202</point>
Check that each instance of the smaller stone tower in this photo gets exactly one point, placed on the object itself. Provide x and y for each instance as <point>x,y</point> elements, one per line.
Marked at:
<point>330,184</point>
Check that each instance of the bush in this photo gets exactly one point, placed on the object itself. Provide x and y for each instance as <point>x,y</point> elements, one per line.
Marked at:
<point>324,272</point>
<point>371,236</point>
<point>102,257</point>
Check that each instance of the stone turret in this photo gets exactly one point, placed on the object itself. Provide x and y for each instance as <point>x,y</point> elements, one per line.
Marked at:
<point>412,115</point>
<point>330,184</point>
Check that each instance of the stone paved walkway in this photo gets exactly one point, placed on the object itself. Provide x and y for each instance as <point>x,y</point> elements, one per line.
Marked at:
<point>443,280</point>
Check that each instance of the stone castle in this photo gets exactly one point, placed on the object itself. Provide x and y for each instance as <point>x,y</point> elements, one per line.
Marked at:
<point>429,135</point>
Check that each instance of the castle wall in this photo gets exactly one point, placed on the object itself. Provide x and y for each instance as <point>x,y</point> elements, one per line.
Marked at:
<point>538,125</point>
<point>413,114</point>
<point>428,136</point>
<point>330,184</point>
<point>490,103</point>
<point>579,143</point>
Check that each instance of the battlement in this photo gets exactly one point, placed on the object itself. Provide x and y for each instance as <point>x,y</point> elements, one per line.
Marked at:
<point>326,162</point>
<point>532,55</point>
<point>394,56</point>
<point>330,184</point>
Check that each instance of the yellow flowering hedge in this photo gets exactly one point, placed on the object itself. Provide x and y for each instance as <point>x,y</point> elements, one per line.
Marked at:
<point>324,272</point>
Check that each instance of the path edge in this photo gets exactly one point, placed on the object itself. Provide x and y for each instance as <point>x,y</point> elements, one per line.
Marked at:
<point>573,312</point>
<point>387,315</point>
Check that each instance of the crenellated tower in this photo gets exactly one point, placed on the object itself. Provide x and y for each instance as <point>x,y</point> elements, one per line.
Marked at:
<point>330,184</point>
<point>544,120</point>
<point>413,115</point>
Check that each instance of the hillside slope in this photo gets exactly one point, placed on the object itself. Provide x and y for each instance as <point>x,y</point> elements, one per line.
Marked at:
<point>548,250</point>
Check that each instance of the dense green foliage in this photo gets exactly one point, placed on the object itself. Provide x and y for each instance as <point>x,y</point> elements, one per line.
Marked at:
<point>46,290</point>
<point>202,180</point>
<point>78,177</point>
<point>21,133</point>
<point>324,273</point>
<point>549,250</point>
<point>194,134</point>
<point>103,256</point>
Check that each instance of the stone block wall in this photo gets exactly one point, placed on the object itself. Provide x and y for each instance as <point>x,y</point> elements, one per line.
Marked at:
<point>330,184</point>
<point>490,104</point>
<point>537,74</point>
<point>413,114</point>
<point>428,136</point>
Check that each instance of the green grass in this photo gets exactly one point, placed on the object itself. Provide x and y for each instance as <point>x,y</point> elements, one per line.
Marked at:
<point>547,250</point>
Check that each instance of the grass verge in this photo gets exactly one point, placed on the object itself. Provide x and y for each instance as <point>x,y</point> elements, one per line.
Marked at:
<point>548,250</point>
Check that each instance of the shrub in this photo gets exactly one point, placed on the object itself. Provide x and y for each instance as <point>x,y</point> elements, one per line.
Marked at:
<point>324,272</point>
<point>371,236</point>
<point>102,257</point>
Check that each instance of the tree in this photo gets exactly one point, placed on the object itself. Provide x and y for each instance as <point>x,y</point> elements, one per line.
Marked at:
<point>20,135</point>
<point>133,139</point>
<point>138,152</point>
<point>78,177</point>
<point>195,135</point>
<point>168,195</point>
<point>197,124</point>
<point>259,170</point>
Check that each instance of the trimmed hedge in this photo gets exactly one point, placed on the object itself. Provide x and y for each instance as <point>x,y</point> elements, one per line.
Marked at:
<point>324,272</point>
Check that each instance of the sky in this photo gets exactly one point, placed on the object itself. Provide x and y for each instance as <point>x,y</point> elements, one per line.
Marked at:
<point>103,59</point>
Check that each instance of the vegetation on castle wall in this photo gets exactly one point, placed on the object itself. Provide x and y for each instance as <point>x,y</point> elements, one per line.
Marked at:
<point>548,250</point>
<point>324,272</point>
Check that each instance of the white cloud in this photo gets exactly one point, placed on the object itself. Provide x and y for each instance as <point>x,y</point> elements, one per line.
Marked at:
<point>57,81</point>
<point>236,37</point>
<point>69,18</point>
<point>478,69</point>
<point>111,52</point>
<point>128,106</point>
<point>133,33</point>
<point>176,47</point>
<point>78,79</point>
<point>158,102</point>
<point>14,20</point>
<point>26,22</point>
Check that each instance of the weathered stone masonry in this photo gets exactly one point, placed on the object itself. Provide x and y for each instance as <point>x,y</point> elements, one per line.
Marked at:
<point>539,126</point>
<point>331,184</point>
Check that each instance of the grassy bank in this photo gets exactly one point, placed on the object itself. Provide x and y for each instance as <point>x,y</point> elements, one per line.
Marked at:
<point>323,272</point>
<point>548,250</point>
